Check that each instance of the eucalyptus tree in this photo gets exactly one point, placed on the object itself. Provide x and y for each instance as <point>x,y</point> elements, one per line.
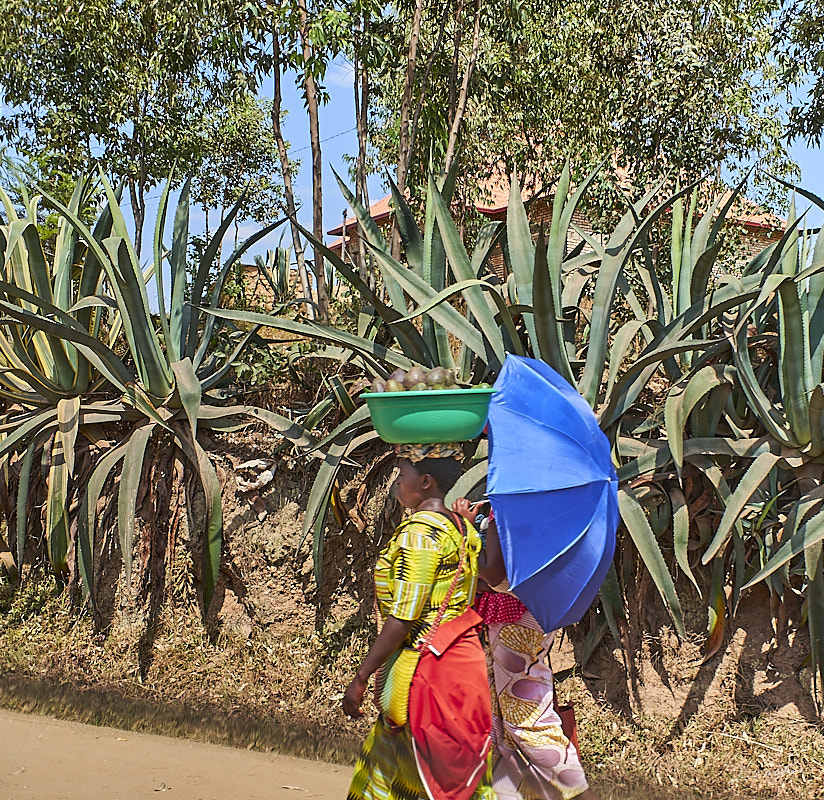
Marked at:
<point>239,163</point>
<point>656,84</point>
<point>125,84</point>
<point>800,42</point>
<point>298,39</point>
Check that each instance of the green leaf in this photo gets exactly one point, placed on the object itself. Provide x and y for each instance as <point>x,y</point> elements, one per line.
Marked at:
<point>612,602</point>
<point>444,314</point>
<point>314,330</point>
<point>286,427</point>
<point>717,611</point>
<point>793,363</point>
<point>195,351</point>
<point>548,315</point>
<point>620,345</point>
<point>177,261</point>
<point>318,503</point>
<point>808,534</point>
<point>408,336</point>
<point>681,533</point>
<point>618,251</point>
<point>127,494</point>
<point>682,400</point>
<point>521,251</point>
<point>374,237</point>
<point>23,492</point>
<point>408,228</point>
<point>462,270</point>
<point>213,532</point>
<point>88,515</point>
<point>137,322</point>
<point>62,467</point>
<point>160,224</point>
<point>503,317</point>
<point>814,571</point>
<point>433,271</point>
<point>341,395</point>
<point>189,390</point>
<point>639,529</point>
<point>750,481</point>
<point>214,378</point>
<point>472,478</point>
<point>817,421</point>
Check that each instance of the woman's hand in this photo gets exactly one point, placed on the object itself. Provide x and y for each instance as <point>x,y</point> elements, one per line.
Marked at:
<point>391,637</point>
<point>461,506</point>
<point>353,697</point>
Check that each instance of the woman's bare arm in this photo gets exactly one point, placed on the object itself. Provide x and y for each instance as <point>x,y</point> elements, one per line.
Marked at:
<point>491,559</point>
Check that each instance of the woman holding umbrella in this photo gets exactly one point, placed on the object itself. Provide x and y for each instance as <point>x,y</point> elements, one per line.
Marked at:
<point>433,735</point>
<point>553,489</point>
<point>532,753</point>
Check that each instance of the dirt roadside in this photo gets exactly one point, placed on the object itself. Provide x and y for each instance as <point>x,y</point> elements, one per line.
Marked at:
<point>47,759</point>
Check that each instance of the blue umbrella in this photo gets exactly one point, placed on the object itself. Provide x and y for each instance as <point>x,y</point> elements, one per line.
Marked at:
<point>553,489</point>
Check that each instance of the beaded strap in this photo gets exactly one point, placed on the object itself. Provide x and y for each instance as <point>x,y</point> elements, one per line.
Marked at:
<point>430,634</point>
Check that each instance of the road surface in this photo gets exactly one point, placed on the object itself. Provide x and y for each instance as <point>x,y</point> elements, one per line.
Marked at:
<point>47,759</point>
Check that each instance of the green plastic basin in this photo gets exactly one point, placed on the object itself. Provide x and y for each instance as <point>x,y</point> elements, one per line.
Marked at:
<point>447,415</point>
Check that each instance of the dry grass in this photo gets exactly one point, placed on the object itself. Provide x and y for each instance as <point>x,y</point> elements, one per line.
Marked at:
<point>765,757</point>
<point>281,691</point>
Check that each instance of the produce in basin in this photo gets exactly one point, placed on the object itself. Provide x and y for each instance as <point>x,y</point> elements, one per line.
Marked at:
<point>416,380</point>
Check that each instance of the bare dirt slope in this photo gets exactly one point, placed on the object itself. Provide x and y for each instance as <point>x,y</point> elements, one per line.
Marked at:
<point>47,759</point>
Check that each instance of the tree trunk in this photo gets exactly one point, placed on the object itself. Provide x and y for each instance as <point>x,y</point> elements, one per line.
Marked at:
<point>362,120</point>
<point>138,212</point>
<point>461,108</point>
<point>286,170</point>
<point>311,96</point>
<point>136,181</point>
<point>425,82</point>
<point>451,102</point>
<point>404,151</point>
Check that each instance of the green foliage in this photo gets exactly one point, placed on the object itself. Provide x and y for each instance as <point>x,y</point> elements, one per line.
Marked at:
<point>135,88</point>
<point>801,59</point>
<point>669,87</point>
<point>276,270</point>
<point>239,161</point>
<point>733,350</point>
<point>82,353</point>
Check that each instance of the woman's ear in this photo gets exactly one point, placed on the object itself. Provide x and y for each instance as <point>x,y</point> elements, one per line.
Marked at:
<point>427,482</point>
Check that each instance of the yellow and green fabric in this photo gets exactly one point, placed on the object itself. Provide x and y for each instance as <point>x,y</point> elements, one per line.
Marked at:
<point>412,577</point>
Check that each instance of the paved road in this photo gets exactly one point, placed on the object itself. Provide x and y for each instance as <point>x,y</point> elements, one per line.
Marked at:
<point>47,759</point>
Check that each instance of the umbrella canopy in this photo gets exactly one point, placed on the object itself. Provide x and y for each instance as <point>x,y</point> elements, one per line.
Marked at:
<point>553,489</point>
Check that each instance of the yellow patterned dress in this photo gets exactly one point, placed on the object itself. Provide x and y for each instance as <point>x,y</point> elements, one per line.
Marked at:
<point>412,577</point>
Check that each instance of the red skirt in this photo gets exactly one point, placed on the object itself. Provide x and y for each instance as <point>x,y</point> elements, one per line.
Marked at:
<point>450,714</point>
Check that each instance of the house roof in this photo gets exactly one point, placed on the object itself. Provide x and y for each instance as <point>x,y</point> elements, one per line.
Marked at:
<point>379,212</point>
<point>749,213</point>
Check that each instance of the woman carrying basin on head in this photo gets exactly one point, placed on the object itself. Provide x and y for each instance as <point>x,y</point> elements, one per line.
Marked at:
<point>432,737</point>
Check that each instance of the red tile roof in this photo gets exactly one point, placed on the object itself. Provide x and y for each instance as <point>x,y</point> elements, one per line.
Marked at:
<point>749,213</point>
<point>378,211</point>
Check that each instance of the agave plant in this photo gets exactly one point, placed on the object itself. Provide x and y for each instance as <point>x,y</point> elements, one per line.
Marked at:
<point>83,356</point>
<point>745,429</point>
<point>275,268</point>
